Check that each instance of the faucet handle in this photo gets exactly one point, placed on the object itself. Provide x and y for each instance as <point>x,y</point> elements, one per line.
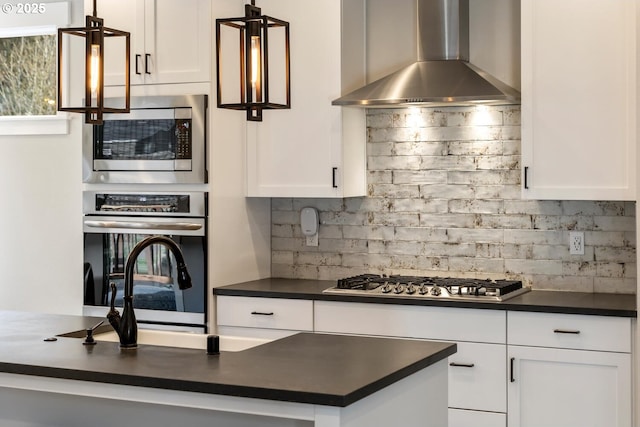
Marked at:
<point>114,315</point>
<point>114,291</point>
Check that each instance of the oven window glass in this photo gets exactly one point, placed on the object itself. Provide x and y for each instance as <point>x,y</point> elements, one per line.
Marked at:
<point>148,203</point>
<point>155,284</point>
<point>152,139</point>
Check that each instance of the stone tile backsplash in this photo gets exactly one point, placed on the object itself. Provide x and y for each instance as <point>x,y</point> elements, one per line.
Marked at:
<point>444,199</point>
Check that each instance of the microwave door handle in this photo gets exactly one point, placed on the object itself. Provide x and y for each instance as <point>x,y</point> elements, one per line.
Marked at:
<point>132,225</point>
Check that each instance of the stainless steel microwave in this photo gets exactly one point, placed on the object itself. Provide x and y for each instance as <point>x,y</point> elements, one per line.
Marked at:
<point>161,141</point>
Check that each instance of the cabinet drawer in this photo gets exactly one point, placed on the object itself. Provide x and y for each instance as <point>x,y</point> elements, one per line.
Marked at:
<point>463,418</point>
<point>271,313</point>
<point>572,331</point>
<point>477,376</point>
<point>437,323</point>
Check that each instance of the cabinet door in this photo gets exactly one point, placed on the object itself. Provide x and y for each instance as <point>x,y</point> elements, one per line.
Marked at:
<point>477,377</point>
<point>307,151</point>
<point>177,41</point>
<point>124,15</point>
<point>578,99</point>
<point>568,388</point>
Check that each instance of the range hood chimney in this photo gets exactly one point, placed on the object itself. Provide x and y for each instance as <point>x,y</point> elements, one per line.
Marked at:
<point>441,74</point>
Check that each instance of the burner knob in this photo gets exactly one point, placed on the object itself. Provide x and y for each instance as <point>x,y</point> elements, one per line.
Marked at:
<point>411,289</point>
<point>424,289</point>
<point>435,291</point>
<point>386,288</point>
<point>399,289</point>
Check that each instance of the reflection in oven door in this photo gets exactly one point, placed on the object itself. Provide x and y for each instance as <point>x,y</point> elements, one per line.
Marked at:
<point>108,240</point>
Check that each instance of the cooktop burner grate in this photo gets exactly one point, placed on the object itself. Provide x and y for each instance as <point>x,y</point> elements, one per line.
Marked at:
<point>429,287</point>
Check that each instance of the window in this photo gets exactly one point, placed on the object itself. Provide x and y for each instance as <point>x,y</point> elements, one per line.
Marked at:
<point>28,75</point>
<point>28,52</point>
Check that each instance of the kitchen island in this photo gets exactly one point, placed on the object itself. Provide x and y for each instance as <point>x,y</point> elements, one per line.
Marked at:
<point>307,379</point>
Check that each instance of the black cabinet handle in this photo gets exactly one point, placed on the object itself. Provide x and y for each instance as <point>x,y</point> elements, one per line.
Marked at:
<point>526,177</point>
<point>137,62</point>
<point>262,313</point>
<point>566,331</point>
<point>462,365</point>
<point>146,63</point>
<point>511,363</point>
<point>333,177</point>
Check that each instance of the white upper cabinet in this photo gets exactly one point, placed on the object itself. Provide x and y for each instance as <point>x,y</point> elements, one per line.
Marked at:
<point>579,99</point>
<point>314,149</point>
<point>170,40</point>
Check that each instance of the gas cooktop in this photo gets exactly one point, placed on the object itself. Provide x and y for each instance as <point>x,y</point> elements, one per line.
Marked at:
<point>452,288</point>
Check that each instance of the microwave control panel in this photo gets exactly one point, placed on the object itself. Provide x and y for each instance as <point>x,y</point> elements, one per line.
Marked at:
<point>183,139</point>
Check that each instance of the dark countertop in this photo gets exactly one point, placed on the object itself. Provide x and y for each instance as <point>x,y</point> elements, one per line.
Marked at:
<point>600,304</point>
<point>306,368</point>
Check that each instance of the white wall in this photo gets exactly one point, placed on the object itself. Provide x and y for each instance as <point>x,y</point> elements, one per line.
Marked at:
<point>494,38</point>
<point>40,218</point>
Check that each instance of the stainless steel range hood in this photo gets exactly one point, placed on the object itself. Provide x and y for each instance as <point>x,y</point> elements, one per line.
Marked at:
<point>441,73</point>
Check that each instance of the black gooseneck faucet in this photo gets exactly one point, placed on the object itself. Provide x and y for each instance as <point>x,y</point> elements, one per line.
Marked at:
<point>126,326</point>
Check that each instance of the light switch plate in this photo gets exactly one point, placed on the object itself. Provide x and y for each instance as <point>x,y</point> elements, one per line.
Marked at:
<point>312,240</point>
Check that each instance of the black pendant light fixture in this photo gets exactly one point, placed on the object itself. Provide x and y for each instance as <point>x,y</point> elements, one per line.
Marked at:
<point>254,32</point>
<point>94,34</point>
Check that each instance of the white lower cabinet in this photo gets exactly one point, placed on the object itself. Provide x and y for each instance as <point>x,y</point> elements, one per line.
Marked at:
<point>477,374</point>
<point>520,369</point>
<point>559,374</point>
<point>477,377</point>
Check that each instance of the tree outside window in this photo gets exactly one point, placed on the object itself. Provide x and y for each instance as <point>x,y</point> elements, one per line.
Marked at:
<point>28,75</point>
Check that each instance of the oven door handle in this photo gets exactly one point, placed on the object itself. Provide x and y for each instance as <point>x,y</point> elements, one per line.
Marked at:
<point>133,225</point>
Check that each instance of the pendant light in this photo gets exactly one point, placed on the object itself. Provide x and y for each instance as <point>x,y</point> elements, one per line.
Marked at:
<point>254,32</point>
<point>94,34</point>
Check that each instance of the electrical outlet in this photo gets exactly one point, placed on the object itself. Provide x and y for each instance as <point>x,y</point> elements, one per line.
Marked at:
<point>576,243</point>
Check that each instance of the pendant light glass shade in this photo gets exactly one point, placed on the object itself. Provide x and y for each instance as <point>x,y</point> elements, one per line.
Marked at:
<point>94,33</point>
<point>251,39</point>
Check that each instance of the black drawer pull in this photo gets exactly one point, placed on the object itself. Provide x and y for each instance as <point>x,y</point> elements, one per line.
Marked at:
<point>137,59</point>
<point>261,313</point>
<point>566,331</point>
<point>462,365</point>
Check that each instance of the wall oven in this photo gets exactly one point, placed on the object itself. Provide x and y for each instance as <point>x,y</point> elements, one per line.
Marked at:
<point>161,141</point>
<point>114,222</point>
